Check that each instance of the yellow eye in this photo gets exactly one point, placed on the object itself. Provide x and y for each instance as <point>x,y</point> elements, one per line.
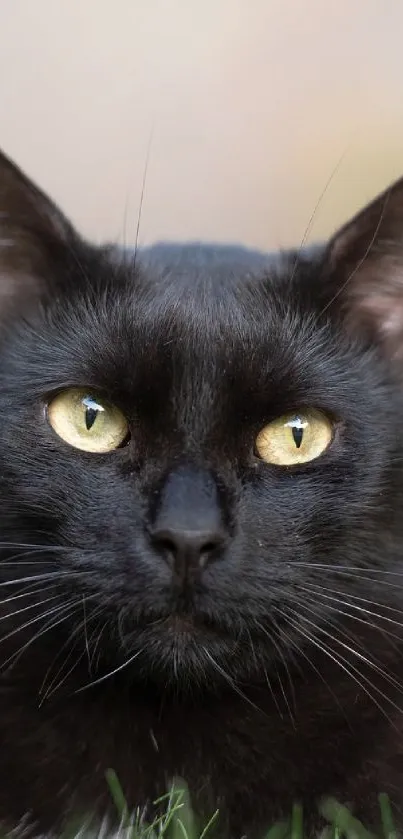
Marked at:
<point>295,438</point>
<point>86,421</point>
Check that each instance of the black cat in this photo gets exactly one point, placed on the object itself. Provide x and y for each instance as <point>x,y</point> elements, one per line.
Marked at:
<point>201,513</point>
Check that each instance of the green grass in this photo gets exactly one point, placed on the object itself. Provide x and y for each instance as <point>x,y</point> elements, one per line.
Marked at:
<point>177,820</point>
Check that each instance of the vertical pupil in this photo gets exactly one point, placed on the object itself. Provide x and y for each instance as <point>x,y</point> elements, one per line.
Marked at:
<point>297,433</point>
<point>92,409</point>
<point>90,417</point>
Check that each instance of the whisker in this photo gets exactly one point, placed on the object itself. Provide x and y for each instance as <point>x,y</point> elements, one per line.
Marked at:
<point>285,665</point>
<point>231,682</point>
<point>272,693</point>
<point>91,637</point>
<point>345,568</point>
<point>110,673</point>
<point>33,546</point>
<point>280,653</point>
<point>386,633</point>
<point>73,634</point>
<point>319,589</point>
<point>49,670</point>
<point>142,193</point>
<point>389,636</point>
<point>18,562</point>
<point>370,662</point>
<point>301,652</point>
<point>389,678</point>
<point>12,660</point>
<point>32,578</point>
<point>361,609</point>
<point>315,210</point>
<point>341,662</point>
<point>54,687</point>
<point>31,622</point>
<point>26,608</point>
<point>96,645</point>
<point>86,636</point>
<point>269,684</point>
<point>37,590</point>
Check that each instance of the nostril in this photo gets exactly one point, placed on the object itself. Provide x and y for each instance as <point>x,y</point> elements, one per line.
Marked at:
<point>165,545</point>
<point>190,547</point>
<point>209,547</point>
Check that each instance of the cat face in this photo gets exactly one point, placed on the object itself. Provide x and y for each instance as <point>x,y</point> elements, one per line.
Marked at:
<point>200,453</point>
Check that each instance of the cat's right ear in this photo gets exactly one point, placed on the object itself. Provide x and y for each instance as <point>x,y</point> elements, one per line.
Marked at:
<point>363,272</point>
<point>34,235</point>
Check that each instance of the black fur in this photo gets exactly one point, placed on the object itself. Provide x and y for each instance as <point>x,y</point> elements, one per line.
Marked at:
<point>275,674</point>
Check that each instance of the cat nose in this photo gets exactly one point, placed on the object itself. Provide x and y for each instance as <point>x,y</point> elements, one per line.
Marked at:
<point>188,551</point>
<point>187,524</point>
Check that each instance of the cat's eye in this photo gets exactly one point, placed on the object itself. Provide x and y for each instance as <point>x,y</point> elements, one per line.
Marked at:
<point>87,421</point>
<point>295,438</point>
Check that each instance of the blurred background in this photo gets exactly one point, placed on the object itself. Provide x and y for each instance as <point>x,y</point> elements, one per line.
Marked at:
<point>252,112</point>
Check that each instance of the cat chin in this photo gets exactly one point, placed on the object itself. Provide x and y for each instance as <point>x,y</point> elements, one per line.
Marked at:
<point>176,655</point>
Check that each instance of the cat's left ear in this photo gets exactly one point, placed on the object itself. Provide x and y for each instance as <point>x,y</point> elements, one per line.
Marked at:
<point>34,234</point>
<point>364,264</point>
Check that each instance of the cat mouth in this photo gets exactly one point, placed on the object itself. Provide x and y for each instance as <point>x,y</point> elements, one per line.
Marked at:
<point>187,626</point>
<point>180,624</point>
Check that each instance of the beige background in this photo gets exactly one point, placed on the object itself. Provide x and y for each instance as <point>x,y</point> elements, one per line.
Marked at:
<point>251,105</point>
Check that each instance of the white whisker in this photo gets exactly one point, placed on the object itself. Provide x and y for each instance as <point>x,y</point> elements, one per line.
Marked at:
<point>231,682</point>
<point>301,653</point>
<point>370,662</point>
<point>31,622</point>
<point>50,575</point>
<point>110,673</point>
<point>73,634</point>
<point>339,661</point>
<point>69,609</point>
<point>348,668</point>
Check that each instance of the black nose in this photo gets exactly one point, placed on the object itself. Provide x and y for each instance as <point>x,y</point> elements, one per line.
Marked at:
<point>188,550</point>
<point>188,529</point>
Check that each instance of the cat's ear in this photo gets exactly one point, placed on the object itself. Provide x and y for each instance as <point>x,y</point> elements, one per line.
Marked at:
<point>364,263</point>
<point>34,234</point>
